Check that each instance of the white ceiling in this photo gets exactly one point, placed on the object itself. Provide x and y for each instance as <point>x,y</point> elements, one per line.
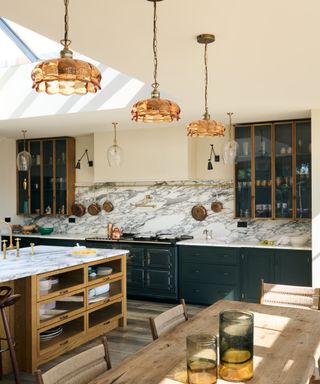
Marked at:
<point>264,65</point>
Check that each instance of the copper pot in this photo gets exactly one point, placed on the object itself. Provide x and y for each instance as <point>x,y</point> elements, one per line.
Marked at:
<point>107,206</point>
<point>78,209</point>
<point>199,212</point>
<point>116,233</point>
<point>216,206</point>
<point>94,209</point>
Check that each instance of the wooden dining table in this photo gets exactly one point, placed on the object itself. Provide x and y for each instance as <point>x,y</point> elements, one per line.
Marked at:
<point>286,347</point>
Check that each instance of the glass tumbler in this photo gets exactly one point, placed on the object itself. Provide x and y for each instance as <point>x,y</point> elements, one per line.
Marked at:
<point>236,345</point>
<point>202,359</point>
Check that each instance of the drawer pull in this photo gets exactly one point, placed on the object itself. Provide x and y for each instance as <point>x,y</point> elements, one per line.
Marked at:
<point>106,301</point>
<point>64,292</point>
<point>63,317</point>
<point>106,278</point>
<point>106,322</point>
<point>64,343</point>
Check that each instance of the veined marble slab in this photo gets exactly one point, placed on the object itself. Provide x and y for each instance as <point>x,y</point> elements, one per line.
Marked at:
<point>46,259</point>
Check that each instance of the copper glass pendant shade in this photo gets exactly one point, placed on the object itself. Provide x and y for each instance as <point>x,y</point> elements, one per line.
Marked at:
<point>206,126</point>
<point>155,109</point>
<point>66,75</point>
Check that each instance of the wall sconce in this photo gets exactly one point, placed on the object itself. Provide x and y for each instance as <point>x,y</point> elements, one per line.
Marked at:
<point>216,158</point>
<point>90,162</point>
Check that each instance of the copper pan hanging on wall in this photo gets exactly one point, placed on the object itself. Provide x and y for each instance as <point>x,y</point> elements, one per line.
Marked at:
<point>199,212</point>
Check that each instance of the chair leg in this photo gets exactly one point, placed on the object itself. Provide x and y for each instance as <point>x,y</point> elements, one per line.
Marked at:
<point>10,341</point>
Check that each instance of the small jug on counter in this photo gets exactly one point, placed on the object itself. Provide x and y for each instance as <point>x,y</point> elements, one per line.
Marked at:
<point>116,233</point>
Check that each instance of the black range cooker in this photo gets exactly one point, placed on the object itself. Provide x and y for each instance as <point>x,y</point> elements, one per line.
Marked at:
<point>152,263</point>
<point>142,237</point>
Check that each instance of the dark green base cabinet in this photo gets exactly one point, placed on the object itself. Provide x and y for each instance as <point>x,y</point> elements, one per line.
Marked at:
<point>208,274</point>
<point>151,269</point>
<point>280,266</point>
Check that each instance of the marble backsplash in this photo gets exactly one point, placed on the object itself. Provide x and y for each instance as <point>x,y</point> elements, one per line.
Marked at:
<point>171,213</point>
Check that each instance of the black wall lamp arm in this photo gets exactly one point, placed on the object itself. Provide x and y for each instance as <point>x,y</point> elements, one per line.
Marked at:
<point>90,162</point>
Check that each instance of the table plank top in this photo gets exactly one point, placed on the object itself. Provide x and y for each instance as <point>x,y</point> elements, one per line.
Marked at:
<point>286,346</point>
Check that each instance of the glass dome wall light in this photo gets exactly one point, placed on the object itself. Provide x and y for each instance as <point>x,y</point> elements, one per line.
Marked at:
<point>114,152</point>
<point>24,159</point>
<point>231,148</point>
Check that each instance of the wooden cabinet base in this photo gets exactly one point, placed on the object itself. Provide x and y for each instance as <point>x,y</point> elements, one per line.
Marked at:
<point>50,323</point>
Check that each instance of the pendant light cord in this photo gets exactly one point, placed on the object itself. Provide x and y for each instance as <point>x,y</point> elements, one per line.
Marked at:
<point>155,85</point>
<point>230,114</point>
<point>206,113</point>
<point>66,42</point>
<point>24,140</point>
<point>115,134</point>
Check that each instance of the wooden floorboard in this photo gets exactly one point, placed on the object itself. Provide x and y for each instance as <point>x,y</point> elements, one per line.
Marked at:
<point>122,342</point>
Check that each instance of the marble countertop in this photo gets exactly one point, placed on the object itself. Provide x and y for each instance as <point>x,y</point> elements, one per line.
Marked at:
<point>46,259</point>
<point>240,244</point>
<point>199,242</point>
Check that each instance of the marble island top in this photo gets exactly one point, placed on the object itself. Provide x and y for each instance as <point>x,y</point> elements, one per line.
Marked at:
<point>46,259</point>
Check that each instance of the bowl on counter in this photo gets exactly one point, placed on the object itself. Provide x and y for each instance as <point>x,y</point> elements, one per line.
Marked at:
<point>299,240</point>
<point>45,230</point>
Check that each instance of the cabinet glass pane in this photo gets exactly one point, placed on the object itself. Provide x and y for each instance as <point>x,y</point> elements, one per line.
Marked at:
<point>262,163</point>
<point>35,175</point>
<point>61,174</point>
<point>283,170</point>
<point>23,205</point>
<point>48,176</point>
<point>303,169</point>
<point>243,172</point>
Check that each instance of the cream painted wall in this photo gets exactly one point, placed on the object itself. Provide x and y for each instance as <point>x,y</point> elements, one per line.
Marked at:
<point>159,154</point>
<point>8,180</point>
<point>149,154</point>
<point>85,173</point>
<point>315,140</point>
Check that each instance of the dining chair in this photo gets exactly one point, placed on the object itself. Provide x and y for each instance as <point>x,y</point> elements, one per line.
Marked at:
<point>168,319</point>
<point>289,295</point>
<point>79,369</point>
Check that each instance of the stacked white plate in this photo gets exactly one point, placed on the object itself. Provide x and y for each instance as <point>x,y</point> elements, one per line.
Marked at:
<point>51,333</point>
<point>104,271</point>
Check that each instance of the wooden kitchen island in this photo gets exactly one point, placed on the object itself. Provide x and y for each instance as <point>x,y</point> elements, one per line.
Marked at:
<point>66,300</point>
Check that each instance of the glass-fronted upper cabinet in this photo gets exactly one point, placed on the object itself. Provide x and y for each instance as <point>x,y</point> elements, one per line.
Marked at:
<point>262,171</point>
<point>274,179</point>
<point>48,188</point>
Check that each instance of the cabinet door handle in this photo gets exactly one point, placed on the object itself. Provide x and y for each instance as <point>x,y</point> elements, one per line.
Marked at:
<point>64,292</point>
<point>196,290</point>
<point>225,274</point>
<point>63,317</point>
<point>106,322</point>
<point>106,301</point>
<point>196,271</point>
<point>64,343</point>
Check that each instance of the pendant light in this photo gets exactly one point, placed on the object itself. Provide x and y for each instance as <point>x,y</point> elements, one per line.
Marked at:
<point>155,109</point>
<point>231,148</point>
<point>205,127</point>
<point>66,75</point>
<point>24,159</point>
<point>114,152</point>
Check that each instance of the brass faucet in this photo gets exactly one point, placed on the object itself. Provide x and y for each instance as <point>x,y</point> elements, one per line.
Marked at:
<point>11,246</point>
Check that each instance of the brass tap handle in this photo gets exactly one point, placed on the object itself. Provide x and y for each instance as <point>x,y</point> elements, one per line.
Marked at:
<point>32,248</point>
<point>18,246</point>
<point>4,248</point>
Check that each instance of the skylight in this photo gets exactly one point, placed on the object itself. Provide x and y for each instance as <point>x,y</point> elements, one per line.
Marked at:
<point>20,48</point>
